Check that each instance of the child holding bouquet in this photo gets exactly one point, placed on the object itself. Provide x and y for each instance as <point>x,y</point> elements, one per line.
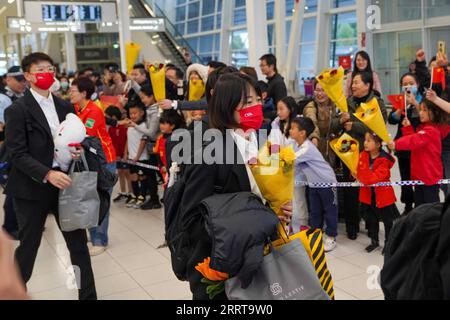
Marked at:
<point>311,167</point>
<point>376,202</point>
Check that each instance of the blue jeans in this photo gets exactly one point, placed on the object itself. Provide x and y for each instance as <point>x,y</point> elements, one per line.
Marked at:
<point>99,235</point>
<point>323,206</point>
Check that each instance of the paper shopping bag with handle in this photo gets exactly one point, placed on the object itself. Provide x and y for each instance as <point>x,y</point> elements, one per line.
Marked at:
<point>285,274</point>
<point>79,204</point>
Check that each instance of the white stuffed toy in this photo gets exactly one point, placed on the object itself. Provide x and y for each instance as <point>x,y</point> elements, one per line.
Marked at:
<point>70,131</point>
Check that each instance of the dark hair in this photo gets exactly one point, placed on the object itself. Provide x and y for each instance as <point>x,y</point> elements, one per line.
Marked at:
<point>271,60</point>
<point>216,64</point>
<point>229,92</point>
<point>35,58</point>
<point>250,71</point>
<point>213,77</point>
<point>140,67</point>
<point>433,59</point>
<point>147,90</point>
<point>375,137</point>
<point>112,67</point>
<point>366,77</point>
<point>84,84</point>
<point>291,104</point>
<point>96,74</point>
<point>304,124</point>
<point>82,72</point>
<point>263,86</point>
<point>439,115</point>
<point>178,72</point>
<point>114,111</point>
<point>365,56</point>
<point>420,88</point>
<point>173,118</point>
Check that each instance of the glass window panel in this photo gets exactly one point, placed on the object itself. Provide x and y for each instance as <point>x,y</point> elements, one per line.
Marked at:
<point>206,43</point>
<point>240,17</point>
<point>309,30</point>
<point>193,42</point>
<point>239,40</point>
<point>343,26</point>
<point>180,14</point>
<point>400,10</point>
<point>208,6</point>
<point>239,59</point>
<point>239,3</point>
<point>192,26</point>
<point>307,56</point>
<point>270,7</point>
<point>181,1</point>
<point>271,34</point>
<point>341,48</point>
<point>193,10</point>
<point>437,8</point>
<point>219,6</point>
<point>207,23</point>
<point>310,6</point>
<point>289,7</point>
<point>217,42</point>
<point>180,28</point>
<point>343,3</point>
<point>218,21</point>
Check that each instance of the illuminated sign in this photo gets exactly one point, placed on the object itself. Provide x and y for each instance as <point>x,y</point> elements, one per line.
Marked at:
<point>147,24</point>
<point>84,13</point>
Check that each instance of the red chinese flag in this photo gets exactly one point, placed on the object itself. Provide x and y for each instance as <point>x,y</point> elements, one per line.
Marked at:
<point>439,77</point>
<point>345,62</point>
<point>110,101</point>
<point>397,101</point>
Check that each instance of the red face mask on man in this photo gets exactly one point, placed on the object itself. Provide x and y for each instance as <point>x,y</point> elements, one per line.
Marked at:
<point>44,80</point>
<point>251,117</point>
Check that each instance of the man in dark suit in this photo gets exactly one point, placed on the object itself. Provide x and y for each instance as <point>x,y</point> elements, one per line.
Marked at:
<point>35,179</point>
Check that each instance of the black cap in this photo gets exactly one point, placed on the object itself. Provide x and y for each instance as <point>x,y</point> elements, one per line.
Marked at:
<point>16,72</point>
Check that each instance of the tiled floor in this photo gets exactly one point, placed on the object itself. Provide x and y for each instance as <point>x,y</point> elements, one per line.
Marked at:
<point>133,267</point>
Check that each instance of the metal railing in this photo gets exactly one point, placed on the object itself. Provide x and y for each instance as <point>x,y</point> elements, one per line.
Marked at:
<point>172,31</point>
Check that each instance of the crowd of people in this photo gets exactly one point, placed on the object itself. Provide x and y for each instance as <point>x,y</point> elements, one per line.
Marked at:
<point>136,131</point>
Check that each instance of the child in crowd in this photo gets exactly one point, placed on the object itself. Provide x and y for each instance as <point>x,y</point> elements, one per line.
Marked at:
<point>376,202</point>
<point>170,121</point>
<point>425,145</point>
<point>268,108</point>
<point>151,131</point>
<point>286,111</point>
<point>118,136</point>
<point>135,151</point>
<point>311,167</point>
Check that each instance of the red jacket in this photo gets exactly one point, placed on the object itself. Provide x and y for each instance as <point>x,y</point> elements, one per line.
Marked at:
<point>95,123</point>
<point>380,172</point>
<point>426,150</point>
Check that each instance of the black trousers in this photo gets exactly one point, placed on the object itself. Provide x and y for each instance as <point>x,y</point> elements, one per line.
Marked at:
<point>426,194</point>
<point>31,216</point>
<point>407,197</point>
<point>351,205</point>
<point>10,223</point>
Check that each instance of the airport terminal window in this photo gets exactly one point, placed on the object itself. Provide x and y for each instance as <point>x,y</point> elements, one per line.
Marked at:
<point>437,8</point>
<point>192,26</point>
<point>207,23</point>
<point>343,36</point>
<point>239,48</point>
<point>208,7</point>
<point>344,3</point>
<point>240,15</point>
<point>193,10</point>
<point>270,9</point>
<point>271,36</point>
<point>400,10</point>
<point>307,56</point>
<point>310,6</point>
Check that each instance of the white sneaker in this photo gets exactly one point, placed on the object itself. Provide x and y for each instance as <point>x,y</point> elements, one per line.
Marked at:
<point>95,250</point>
<point>329,244</point>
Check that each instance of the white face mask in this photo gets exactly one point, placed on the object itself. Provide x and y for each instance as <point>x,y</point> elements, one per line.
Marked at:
<point>55,86</point>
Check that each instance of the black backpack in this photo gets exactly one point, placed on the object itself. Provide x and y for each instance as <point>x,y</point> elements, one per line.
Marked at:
<point>417,260</point>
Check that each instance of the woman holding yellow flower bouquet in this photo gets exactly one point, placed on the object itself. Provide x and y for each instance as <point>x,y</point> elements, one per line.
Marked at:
<point>236,111</point>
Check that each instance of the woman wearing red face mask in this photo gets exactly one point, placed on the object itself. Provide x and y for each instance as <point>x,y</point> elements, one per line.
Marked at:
<point>235,111</point>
